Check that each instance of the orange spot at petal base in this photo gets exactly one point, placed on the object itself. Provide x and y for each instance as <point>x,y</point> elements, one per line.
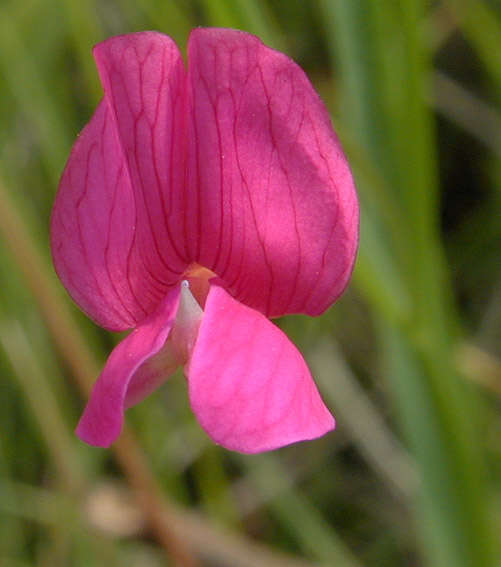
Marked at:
<point>198,277</point>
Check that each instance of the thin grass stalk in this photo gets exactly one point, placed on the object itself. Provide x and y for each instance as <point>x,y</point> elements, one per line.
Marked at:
<point>38,392</point>
<point>312,532</point>
<point>376,442</point>
<point>481,24</point>
<point>475,116</point>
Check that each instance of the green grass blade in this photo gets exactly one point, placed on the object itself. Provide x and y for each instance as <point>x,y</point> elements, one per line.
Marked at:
<point>386,85</point>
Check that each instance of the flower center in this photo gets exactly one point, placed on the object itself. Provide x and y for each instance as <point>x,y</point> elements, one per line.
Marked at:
<point>198,278</point>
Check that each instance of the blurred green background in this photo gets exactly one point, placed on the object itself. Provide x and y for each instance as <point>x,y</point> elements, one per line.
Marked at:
<point>408,360</point>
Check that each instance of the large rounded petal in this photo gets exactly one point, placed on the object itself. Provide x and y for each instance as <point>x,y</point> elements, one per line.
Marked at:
<point>134,369</point>
<point>249,386</point>
<point>271,205</point>
<point>111,242</point>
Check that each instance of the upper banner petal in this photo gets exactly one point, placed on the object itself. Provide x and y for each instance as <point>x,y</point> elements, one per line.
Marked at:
<point>249,386</point>
<point>271,206</point>
<point>111,241</point>
<point>131,372</point>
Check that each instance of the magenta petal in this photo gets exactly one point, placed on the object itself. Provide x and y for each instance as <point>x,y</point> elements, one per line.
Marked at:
<point>249,386</point>
<point>129,375</point>
<point>110,241</point>
<point>273,209</point>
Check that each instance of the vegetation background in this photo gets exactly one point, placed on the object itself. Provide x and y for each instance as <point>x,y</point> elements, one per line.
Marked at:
<point>408,360</point>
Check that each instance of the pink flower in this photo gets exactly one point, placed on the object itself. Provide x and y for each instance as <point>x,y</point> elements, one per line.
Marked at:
<point>195,204</point>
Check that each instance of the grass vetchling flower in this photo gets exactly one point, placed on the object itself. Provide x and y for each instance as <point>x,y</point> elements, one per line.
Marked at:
<point>195,205</point>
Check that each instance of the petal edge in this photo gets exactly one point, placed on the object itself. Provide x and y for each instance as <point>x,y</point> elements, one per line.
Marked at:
<point>102,419</point>
<point>249,386</point>
<point>273,207</point>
